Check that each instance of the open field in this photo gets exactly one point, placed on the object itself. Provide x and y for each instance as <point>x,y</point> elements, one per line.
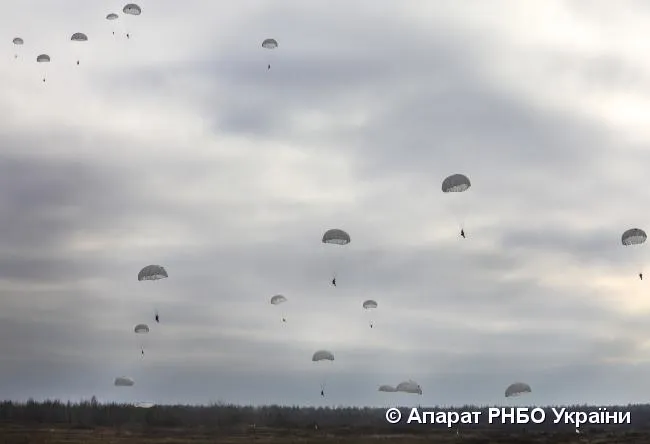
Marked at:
<point>14,433</point>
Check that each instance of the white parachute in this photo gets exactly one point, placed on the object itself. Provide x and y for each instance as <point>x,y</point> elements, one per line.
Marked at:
<point>144,405</point>
<point>320,356</point>
<point>141,330</point>
<point>409,386</point>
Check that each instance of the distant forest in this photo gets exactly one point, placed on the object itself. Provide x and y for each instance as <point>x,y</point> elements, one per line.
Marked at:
<point>91,414</point>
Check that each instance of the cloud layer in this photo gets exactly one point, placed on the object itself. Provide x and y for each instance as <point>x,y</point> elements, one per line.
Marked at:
<point>178,147</point>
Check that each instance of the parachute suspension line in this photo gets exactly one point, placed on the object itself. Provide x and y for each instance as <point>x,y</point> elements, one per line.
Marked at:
<point>323,385</point>
<point>458,211</point>
<point>638,259</point>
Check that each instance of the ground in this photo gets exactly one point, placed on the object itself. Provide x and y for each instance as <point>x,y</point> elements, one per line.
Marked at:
<point>16,433</point>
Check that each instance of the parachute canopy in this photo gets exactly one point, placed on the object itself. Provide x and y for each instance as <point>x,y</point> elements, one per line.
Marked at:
<point>336,237</point>
<point>112,16</point>
<point>278,299</point>
<point>369,304</point>
<point>322,355</point>
<point>43,58</point>
<point>132,9</point>
<point>124,381</point>
<point>456,183</point>
<point>79,37</point>
<point>152,273</point>
<point>141,328</point>
<point>409,387</point>
<point>269,44</point>
<point>387,388</point>
<point>516,389</point>
<point>633,236</point>
<point>144,405</point>
<point>18,41</point>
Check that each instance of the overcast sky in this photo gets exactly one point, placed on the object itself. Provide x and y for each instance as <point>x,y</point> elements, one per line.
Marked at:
<point>178,147</point>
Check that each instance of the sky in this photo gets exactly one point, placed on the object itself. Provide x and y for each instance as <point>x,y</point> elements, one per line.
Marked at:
<point>179,147</point>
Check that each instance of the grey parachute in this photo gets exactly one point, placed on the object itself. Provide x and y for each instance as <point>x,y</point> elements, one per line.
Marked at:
<point>338,237</point>
<point>322,355</point>
<point>111,18</point>
<point>635,237</point>
<point>17,41</point>
<point>517,389</point>
<point>79,37</point>
<point>409,386</point>
<point>132,9</point>
<point>387,388</point>
<point>43,58</point>
<point>457,183</point>
<point>152,273</point>
<point>124,381</point>
<point>368,306</point>
<point>141,329</point>
<point>269,44</point>
<point>278,299</point>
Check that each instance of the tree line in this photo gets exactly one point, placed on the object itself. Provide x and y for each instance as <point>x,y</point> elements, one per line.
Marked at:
<point>91,414</point>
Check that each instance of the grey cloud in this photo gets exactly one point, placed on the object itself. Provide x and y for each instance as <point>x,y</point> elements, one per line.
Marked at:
<point>462,317</point>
